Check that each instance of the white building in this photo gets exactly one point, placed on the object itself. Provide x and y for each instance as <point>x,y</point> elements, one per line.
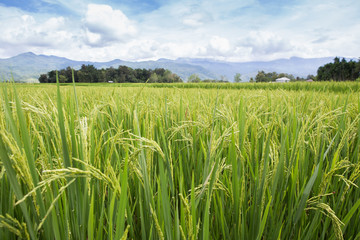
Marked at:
<point>282,80</point>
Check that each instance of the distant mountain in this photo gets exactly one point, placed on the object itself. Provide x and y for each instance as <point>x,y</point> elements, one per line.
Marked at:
<point>27,67</point>
<point>300,67</point>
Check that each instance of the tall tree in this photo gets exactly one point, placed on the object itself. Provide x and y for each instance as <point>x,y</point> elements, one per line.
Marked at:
<point>88,73</point>
<point>194,78</point>
<point>237,77</point>
<point>43,78</point>
<point>339,70</point>
<point>153,78</point>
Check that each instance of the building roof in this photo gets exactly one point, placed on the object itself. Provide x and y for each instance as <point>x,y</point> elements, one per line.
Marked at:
<point>283,79</point>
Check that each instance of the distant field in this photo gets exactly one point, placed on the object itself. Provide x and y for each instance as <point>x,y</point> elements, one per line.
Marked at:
<point>180,161</point>
<point>338,87</point>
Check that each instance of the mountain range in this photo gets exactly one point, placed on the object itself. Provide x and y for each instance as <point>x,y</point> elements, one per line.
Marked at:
<point>27,67</point>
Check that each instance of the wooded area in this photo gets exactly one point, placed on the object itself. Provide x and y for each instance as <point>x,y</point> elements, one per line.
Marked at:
<point>339,71</point>
<point>122,74</point>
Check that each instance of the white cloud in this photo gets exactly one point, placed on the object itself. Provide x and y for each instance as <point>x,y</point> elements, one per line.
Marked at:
<point>265,42</point>
<point>23,31</point>
<point>194,16</point>
<point>92,38</point>
<point>142,49</point>
<point>26,30</point>
<point>224,29</point>
<point>105,25</point>
<point>194,20</point>
<point>53,23</point>
<point>220,45</point>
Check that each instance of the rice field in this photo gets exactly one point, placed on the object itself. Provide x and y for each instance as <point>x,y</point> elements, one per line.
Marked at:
<point>166,162</point>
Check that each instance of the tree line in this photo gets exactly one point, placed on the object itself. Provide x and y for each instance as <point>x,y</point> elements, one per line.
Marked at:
<point>339,71</point>
<point>262,76</point>
<point>194,78</point>
<point>122,74</point>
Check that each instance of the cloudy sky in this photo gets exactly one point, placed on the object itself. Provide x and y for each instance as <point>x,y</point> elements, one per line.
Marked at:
<point>233,30</point>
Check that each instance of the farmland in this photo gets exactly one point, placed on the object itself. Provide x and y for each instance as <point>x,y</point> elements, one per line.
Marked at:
<point>180,161</point>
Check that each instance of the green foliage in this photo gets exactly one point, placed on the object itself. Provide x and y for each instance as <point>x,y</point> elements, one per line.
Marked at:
<point>153,78</point>
<point>194,78</point>
<point>336,87</point>
<point>62,79</point>
<point>43,78</point>
<point>237,78</point>
<point>339,71</point>
<point>123,74</point>
<point>158,161</point>
<point>261,76</point>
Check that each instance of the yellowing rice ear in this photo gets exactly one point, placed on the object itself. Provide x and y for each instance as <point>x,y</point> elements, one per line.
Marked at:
<point>152,161</point>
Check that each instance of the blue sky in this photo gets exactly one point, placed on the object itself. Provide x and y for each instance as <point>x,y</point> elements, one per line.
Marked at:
<point>233,30</point>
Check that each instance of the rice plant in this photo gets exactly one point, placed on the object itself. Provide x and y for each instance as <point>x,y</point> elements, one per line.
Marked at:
<point>138,162</point>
